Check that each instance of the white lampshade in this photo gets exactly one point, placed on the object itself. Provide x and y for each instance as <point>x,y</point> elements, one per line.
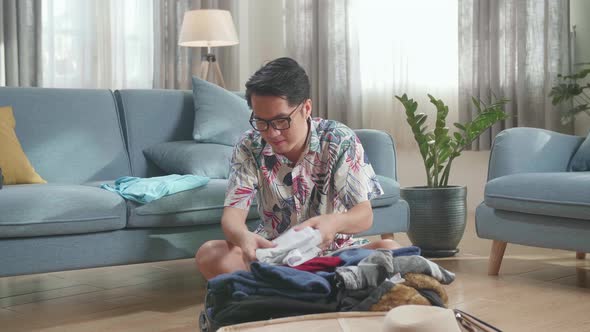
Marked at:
<point>208,28</point>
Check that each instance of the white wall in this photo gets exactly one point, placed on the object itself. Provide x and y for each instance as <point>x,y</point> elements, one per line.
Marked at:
<point>261,35</point>
<point>579,16</point>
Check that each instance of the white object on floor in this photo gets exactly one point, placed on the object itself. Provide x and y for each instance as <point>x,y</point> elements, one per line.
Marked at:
<point>293,247</point>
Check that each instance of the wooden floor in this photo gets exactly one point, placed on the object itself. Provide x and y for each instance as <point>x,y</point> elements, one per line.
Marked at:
<point>537,290</point>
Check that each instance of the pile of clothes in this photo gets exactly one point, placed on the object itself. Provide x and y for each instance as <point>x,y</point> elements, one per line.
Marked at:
<point>354,279</point>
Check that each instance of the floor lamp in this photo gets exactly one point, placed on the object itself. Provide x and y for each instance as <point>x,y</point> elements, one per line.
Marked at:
<point>208,28</point>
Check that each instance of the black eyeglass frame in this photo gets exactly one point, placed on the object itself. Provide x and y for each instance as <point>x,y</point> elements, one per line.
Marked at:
<point>270,123</point>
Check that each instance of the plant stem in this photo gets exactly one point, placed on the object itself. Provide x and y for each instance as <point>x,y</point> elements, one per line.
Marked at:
<point>445,178</point>
<point>435,168</point>
<point>447,172</point>
<point>428,178</point>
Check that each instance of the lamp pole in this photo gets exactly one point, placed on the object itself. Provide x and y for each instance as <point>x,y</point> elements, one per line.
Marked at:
<point>210,60</point>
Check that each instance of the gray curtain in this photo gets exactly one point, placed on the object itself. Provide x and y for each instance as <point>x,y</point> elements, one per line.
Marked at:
<point>320,36</point>
<point>512,49</point>
<point>20,43</point>
<point>174,65</point>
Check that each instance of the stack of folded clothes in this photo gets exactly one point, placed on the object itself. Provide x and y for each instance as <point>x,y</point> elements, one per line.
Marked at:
<point>354,279</point>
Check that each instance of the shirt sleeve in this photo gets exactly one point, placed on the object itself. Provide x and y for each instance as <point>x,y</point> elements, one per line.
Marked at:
<point>243,180</point>
<point>354,178</point>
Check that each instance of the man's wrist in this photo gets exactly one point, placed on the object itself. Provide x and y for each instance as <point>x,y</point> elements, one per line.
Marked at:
<point>335,224</point>
<point>237,237</point>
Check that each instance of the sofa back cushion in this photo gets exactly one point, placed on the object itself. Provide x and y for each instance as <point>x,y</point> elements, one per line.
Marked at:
<point>581,160</point>
<point>380,150</point>
<point>15,165</point>
<point>69,135</point>
<point>189,157</point>
<point>152,117</point>
<point>221,117</point>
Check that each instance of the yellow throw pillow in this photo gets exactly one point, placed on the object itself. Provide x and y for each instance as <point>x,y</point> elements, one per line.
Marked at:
<point>15,165</point>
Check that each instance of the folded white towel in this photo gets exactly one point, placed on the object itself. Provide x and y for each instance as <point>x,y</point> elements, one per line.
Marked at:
<point>292,247</point>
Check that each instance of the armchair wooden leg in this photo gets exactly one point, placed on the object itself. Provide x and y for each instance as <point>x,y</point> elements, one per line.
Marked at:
<point>580,255</point>
<point>387,236</point>
<point>496,255</point>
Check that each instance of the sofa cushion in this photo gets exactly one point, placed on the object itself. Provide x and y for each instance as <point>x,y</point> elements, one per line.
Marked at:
<point>152,117</point>
<point>563,194</point>
<point>204,205</point>
<point>54,209</point>
<point>390,192</point>
<point>380,149</point>
<point>188,157</point>
<point>220,116</point>
<point>15,165</point>
<point>581,160</point>
<point>69,135</point>
<point>200,206</point>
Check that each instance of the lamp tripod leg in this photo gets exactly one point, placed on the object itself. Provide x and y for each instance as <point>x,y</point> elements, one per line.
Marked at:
<point>204,69</point>
<point>219,75</point>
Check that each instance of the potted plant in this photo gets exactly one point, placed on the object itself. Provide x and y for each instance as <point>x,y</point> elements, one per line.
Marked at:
<point>438,211</point>
<point>567,90</point>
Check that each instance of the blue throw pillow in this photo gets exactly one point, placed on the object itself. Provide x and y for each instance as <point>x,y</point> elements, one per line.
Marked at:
<point>220,116</point>
<point>188,157</point>
<point>581,160</point>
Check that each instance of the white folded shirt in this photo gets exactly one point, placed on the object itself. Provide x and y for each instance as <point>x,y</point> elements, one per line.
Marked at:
<point>292,247</point>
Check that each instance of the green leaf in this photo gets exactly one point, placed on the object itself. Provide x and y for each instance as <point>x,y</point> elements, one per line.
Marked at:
<point>579,75</point>
<point>460,126</point>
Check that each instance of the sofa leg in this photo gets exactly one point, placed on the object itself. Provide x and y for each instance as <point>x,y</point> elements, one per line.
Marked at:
<point>496,255</point>
<point>580,255</point>
<point>387,236</point>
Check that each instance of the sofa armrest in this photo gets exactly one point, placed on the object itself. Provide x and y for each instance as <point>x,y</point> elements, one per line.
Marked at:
<point>522,150</point>
<point>380,149</point>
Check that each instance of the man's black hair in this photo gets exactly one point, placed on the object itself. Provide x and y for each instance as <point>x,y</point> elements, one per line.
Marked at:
<point>282,77</point>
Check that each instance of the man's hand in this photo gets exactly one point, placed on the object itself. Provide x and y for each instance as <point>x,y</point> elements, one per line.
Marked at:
<point>249,242</point>
<point>326,224</point>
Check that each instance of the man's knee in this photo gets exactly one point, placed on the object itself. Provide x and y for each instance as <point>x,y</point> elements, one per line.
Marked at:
<point>383,244</point>
<point>205,254</point>
<point>389,244</point>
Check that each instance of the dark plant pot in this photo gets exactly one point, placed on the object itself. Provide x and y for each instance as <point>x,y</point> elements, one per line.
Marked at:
<point>437,218</point>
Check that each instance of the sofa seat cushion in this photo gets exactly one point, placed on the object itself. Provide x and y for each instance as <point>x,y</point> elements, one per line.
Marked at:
<point>54,209</point>
<point>390,192</point>
<point>563,194</point>
<point>204,205</point>
<point>200,206</point>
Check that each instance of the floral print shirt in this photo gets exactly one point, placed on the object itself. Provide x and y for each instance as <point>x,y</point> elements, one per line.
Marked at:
<point>333,175</point>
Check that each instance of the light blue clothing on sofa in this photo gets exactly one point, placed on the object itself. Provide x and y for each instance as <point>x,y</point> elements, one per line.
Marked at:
<point>145,190</point>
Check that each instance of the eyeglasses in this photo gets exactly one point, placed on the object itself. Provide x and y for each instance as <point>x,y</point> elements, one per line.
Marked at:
<point>282,123</point>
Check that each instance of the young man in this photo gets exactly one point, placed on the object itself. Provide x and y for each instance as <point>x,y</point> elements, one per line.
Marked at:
<point>303,171</point>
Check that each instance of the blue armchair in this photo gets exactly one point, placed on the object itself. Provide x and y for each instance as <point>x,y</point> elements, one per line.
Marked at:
<point>531,198</point>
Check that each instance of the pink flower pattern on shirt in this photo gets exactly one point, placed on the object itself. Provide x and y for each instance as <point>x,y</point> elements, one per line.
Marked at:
<point>333,176</point>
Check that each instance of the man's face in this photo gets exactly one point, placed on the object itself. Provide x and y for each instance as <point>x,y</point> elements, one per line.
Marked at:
<point>288,142</point>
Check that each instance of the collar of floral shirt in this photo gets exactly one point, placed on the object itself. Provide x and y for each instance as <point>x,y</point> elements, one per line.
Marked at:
<point>312,144</point>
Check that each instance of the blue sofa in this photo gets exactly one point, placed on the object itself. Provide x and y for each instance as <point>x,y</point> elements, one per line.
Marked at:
<point>78,139</point>
<point>531,198</point>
